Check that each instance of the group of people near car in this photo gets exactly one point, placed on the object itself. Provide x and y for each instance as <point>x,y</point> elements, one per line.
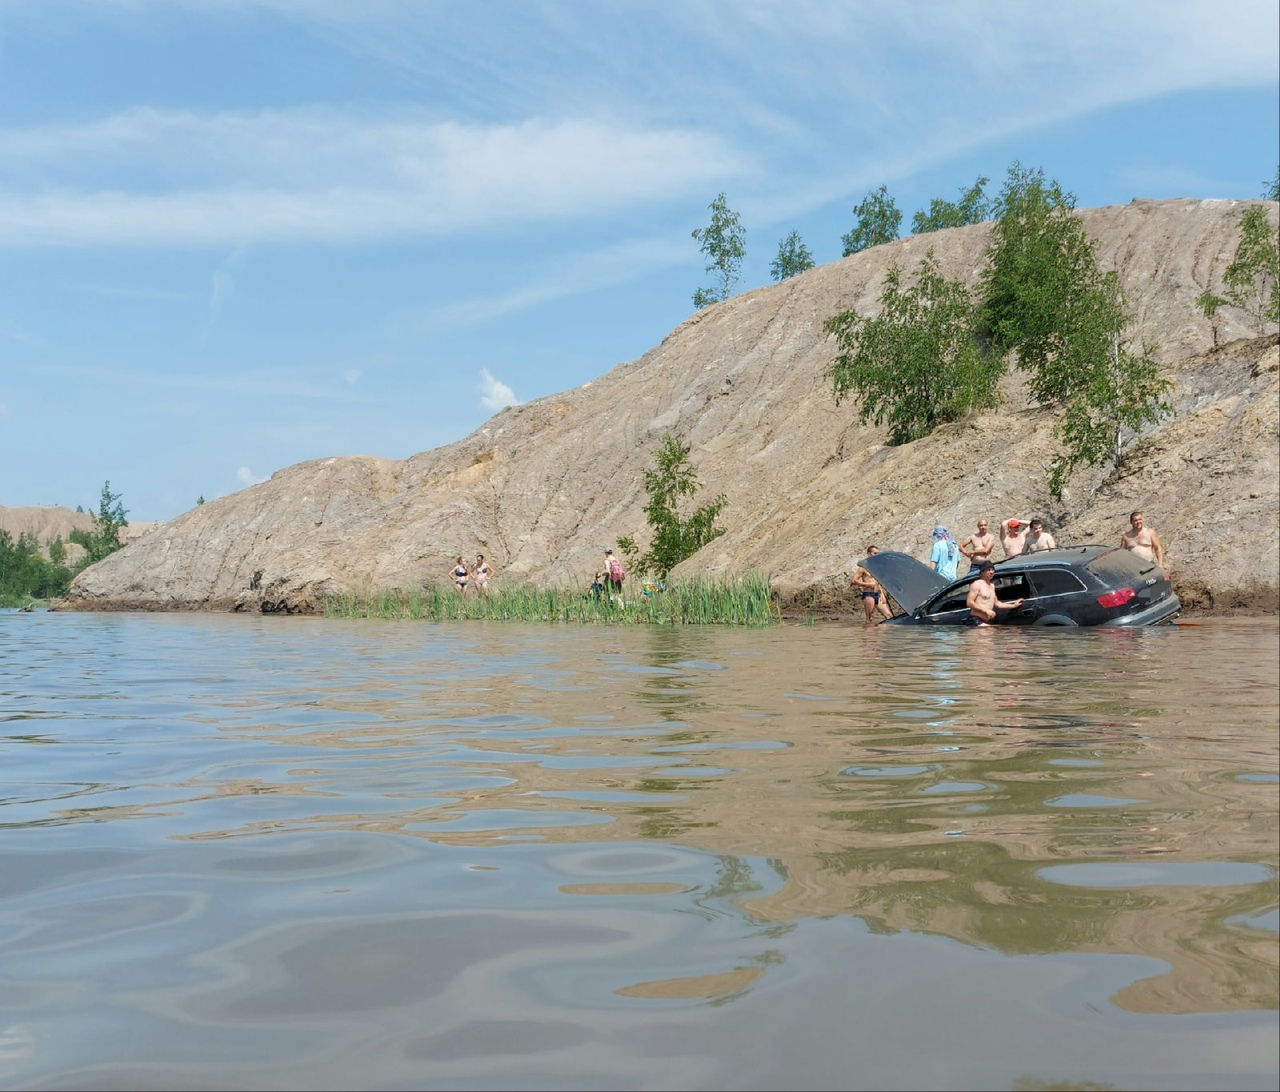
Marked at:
<point>1016,536</point>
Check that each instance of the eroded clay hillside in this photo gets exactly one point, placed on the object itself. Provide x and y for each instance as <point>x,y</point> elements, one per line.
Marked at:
<point>542,487</point>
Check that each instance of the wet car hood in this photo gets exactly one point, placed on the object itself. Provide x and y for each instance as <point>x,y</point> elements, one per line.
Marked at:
<point>909,581</point>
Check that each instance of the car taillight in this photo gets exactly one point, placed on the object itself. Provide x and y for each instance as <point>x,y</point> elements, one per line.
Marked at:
<point>1117,598</point>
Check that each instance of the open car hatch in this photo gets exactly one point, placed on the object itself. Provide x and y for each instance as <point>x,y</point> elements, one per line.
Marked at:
<point>911,583</point>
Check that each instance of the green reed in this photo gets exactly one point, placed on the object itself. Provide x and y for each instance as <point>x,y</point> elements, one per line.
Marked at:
<point>737,601</point>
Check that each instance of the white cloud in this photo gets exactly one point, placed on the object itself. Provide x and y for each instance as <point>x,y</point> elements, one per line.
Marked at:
<point>494,394</point>
<point>332,175</point>
<point>245,476</point>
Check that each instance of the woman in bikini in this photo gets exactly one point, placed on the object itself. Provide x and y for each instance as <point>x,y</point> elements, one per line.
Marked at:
<point>459,575</point>
<point>482,573</point>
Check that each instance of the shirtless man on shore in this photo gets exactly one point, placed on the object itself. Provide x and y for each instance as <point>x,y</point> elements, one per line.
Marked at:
<point>977,547</point>
<point>1038,539</point>
<point>1142,540</point>
<point>873,597</point>
<point>1013,536</point>
<point>982,601</point>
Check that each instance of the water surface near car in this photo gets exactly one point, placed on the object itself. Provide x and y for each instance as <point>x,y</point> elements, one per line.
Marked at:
<point>290,852</point>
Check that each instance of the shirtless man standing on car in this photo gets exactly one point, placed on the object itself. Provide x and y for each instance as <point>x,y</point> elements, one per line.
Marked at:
<point>982,601</point>
<point>1143,540</point>
<point>977,547</point>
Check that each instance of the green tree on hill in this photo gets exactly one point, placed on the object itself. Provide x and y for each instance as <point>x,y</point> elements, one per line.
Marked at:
<point>1045,305</point>
<point>793,257</point>
<point>1251,281</point>
<point>108,522</point>
<point>1253,276</point>
<point>878,220</point>
<point>916,364</point>
<point>973,208</point>
<point>1049,306</point>
<point>675,537</point>
<point>724,242</point>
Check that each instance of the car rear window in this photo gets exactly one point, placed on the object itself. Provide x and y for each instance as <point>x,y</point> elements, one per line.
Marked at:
<point>1055,582</point>
<point>1120,566</point>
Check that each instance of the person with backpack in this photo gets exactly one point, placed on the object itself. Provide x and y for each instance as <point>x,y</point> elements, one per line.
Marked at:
<point>613,573</point>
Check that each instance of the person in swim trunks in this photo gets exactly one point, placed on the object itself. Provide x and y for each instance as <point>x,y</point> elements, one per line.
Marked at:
<point>981,600</point>
<point>872,593</point>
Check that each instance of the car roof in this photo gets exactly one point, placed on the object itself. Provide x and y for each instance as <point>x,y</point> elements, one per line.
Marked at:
<point>1063,555</point>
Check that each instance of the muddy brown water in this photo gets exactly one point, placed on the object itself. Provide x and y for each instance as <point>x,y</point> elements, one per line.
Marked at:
<point>296,853</point>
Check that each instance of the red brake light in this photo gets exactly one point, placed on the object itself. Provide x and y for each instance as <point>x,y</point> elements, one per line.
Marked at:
<point>1117,598</point>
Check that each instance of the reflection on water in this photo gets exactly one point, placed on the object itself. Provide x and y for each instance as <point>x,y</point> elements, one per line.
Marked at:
<point>301,853</point>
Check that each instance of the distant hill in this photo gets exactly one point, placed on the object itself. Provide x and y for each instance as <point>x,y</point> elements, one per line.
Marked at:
<point>541,488</point>
<point>48,522</point>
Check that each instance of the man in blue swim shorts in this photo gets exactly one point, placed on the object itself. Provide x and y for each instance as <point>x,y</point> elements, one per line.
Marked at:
<point>872,592</point>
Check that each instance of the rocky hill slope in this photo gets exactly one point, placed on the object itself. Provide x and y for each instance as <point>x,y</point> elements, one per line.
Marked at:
<point>541,488</point>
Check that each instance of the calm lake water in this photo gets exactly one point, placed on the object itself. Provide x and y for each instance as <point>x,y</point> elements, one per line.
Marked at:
<point>247,852</point>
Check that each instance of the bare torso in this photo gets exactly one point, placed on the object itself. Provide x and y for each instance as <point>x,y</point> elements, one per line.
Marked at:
<point>865,582</point>
<point>981,600</point>
<point>1140,542</point>
<point>979,547</point>
<point>1014,542</point>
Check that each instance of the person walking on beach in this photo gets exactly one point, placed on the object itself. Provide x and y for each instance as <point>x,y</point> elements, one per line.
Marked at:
<point>981,600</point>
<point>945,556</point>
<point>1143,540</point>
<point>1039,539</point>
<point>459,575</point>
<point>873,595</point>
<point>977,547</point>
<point>1013,537</point>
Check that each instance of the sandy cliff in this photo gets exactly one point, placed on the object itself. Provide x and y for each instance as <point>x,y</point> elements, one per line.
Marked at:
<point>542,487</point>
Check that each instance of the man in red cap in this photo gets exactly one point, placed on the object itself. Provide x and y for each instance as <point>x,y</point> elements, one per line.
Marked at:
<point>1013,536</point>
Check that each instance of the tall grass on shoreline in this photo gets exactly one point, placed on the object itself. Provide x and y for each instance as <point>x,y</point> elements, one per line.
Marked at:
<point>742,601</point>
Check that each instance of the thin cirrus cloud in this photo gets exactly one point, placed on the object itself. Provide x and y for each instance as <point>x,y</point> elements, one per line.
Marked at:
<point>330,175</point>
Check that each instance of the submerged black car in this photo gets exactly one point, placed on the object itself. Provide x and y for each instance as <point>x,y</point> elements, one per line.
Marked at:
<point>1072,586</point>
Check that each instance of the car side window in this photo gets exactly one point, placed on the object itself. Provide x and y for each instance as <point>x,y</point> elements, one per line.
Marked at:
<point>1012,586</point>
<point>1055,582</point>
<point>952,600</point>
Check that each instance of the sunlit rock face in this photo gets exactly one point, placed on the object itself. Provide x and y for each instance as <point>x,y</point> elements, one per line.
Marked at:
<point>541,488</point>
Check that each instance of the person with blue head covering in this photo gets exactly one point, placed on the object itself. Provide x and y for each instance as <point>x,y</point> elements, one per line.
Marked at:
<point>946,554</point>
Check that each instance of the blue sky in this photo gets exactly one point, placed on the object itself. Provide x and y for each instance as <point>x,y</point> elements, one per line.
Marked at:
<point>236,234</point>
